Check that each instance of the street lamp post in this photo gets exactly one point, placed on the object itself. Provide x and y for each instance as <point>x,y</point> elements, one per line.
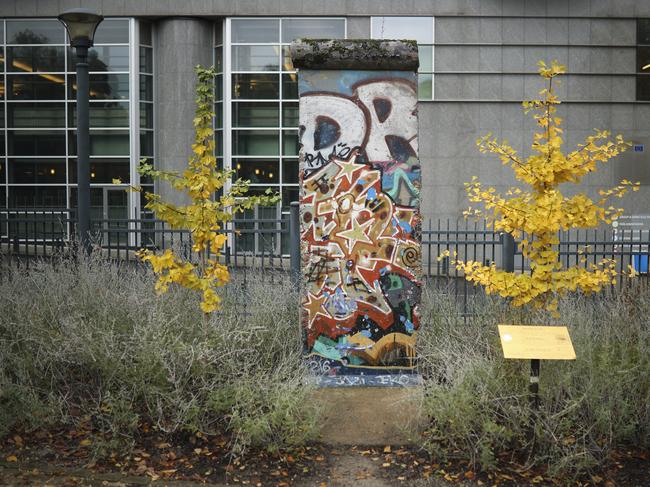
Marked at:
<point>81,24</point>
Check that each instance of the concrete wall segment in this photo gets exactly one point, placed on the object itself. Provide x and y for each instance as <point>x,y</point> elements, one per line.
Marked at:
<point>360,199</point>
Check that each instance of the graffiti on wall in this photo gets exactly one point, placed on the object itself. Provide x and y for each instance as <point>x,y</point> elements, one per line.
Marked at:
<point>360,222</point>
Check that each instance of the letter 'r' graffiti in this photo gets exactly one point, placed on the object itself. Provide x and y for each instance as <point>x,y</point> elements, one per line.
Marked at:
<point>360,218</point>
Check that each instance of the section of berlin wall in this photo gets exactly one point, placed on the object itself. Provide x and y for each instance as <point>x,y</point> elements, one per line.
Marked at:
<point>360,220</point>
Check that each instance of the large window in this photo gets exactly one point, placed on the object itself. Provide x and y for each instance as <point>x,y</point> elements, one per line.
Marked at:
<point>262,98</point>
<point>146,102</point>
<point>38,114</point>
<point>419,29</point>
<point>218,95</point>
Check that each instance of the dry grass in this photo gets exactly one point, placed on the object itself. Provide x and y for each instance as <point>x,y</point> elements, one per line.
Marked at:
<point>478,401</point>
<point>90,338</point>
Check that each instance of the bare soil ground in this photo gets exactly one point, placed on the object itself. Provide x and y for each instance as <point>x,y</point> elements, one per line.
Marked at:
<point>66,459</point>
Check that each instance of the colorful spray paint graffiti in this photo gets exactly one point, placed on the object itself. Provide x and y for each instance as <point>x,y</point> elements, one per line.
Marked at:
<point>360,222</point>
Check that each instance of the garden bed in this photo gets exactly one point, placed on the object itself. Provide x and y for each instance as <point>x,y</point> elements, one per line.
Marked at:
<point>89,354</point>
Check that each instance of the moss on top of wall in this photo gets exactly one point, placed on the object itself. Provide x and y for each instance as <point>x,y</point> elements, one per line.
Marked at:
<point>363,54</point>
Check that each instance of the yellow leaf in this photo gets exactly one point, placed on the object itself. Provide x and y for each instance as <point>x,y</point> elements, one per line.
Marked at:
<point>12,458</point>
<point>541,211</point>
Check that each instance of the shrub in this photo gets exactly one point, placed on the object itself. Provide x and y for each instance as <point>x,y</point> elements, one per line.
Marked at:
<point>535,213</point>
<point>211,203</point>
<point>478,401</point>
<point>88,341</point>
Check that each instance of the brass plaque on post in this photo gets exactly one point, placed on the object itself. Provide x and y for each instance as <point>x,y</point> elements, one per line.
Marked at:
<point>536,342</point>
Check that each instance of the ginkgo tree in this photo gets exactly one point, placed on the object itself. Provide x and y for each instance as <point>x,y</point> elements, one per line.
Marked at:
<point>535,215</point>
<point>211,205</point>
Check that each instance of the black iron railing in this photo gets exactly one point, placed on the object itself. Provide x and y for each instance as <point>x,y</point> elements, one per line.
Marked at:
<point>252,242</point>
<point>273,243</point>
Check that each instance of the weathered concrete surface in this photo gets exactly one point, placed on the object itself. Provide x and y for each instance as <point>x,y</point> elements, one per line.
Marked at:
<point>357,54</point>
<point>213,8</point>
<point>181,44</point>
<point>370,415</point>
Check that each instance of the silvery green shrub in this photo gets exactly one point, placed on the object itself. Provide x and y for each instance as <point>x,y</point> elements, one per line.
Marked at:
<point>478,403</point>
<point>89,339</point>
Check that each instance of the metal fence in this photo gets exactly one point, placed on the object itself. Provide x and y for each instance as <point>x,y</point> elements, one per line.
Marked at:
<point>262,243</point>
<point>630,249</point>
<point>273,243</point>
<point>474,241</point>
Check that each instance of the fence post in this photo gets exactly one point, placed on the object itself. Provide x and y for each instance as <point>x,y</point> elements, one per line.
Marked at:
<point>294,240</point>
<point>507,252</point>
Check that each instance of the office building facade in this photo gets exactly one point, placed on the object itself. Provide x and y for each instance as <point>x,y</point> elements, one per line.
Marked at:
<point>477,63</point>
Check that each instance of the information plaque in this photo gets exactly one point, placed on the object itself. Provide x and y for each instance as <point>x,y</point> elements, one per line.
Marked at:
<point>536,342</point>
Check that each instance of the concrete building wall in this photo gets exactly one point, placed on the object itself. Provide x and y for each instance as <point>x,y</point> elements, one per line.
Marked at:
<point>180,45</point>
<point>208,8</point>
<point>485,66</point>
<point>485,57</point>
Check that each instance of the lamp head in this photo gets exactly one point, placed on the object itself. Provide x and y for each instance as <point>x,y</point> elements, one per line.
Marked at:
<point>81,24</point>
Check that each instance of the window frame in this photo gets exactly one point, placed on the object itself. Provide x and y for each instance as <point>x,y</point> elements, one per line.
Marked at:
<point>229,128</point>
<point>280,183</point>
<point>130,77</point>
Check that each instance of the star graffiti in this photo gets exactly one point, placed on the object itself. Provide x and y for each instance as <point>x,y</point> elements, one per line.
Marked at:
<point>347,167</point>
<point>356,234</point>
<point>314,307</point>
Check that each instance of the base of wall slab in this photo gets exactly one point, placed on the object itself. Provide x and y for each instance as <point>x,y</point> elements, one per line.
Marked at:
<point>394,378</point>
<point>371,415</point>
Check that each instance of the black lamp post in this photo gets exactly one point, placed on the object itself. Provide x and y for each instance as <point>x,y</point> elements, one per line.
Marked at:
<point>81,24</point>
